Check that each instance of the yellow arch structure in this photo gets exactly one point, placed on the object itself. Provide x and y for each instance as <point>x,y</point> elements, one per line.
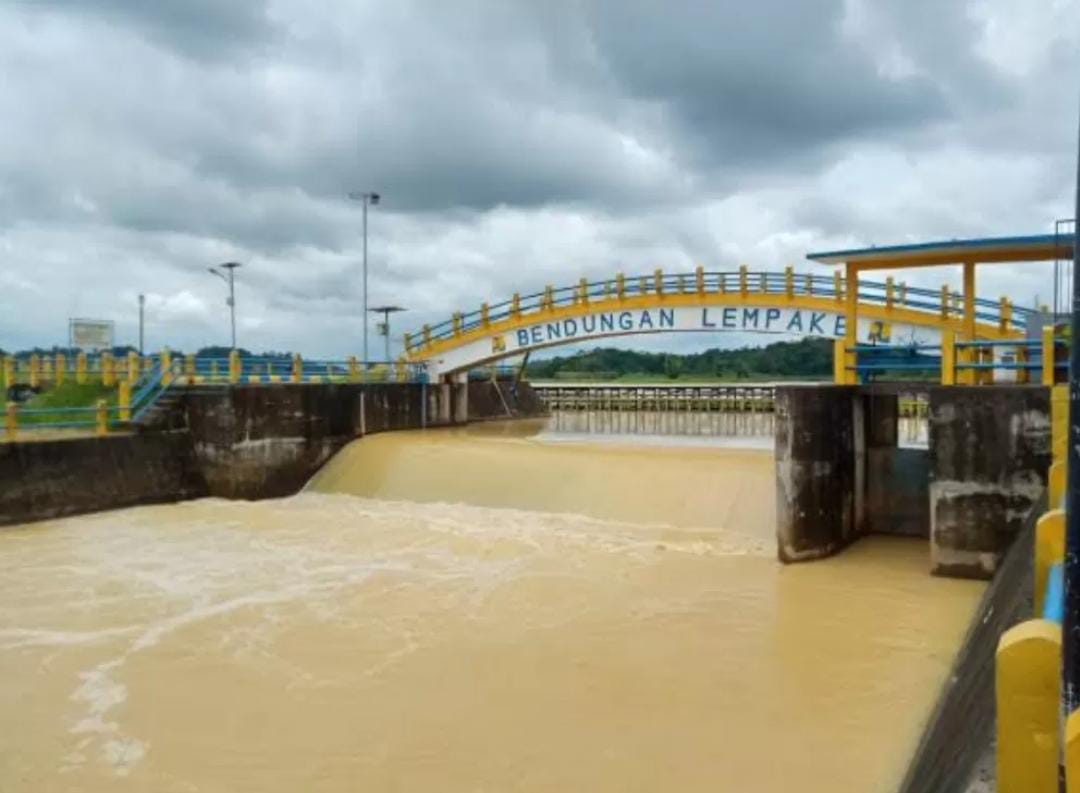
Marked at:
<point>794,301</point>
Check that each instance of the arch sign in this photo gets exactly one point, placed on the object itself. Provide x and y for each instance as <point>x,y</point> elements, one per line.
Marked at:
<point>505,339</point>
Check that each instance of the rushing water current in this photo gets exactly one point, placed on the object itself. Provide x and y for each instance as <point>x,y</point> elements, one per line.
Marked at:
<point>479,610</point>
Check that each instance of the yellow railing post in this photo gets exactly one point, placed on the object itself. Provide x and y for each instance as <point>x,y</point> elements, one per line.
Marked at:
<point>699,279</point>
<point>427,335</point>
<point>11,420</point>
<point>1048,355</point>
<point>108,373</point>
<point>46,369</point>
<point>903,293</point>
<point>789,282</point>
<point>583,289</point>
<point>189,368</point>
<point>658,281</point>
<point>234,367</point>
<point>1027,688</point>
<point>808,284</point>
<point>399,370</point>
<point>80,368</point>
<point>515,305</point>
<point>132,366</point>
<point>102,418</point>
<point>744,285</point>
<point>354,369</point>
<point>123,400</point>
<point>166,367</point>
<point>485,318</point>
<point>889,292</point>
<point>620,285</point>
<point>9,372</point>
<point>35,371</point>
<point>548,303</point>
<point>1004,315</point>
<point>60,367</point>
<point>948,357</point>
<point>297,369</point>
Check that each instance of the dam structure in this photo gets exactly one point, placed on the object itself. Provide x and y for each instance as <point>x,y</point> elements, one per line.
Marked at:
<point>285,574</point>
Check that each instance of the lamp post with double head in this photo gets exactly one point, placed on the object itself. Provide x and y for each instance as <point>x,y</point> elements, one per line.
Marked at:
<point>230,279</point>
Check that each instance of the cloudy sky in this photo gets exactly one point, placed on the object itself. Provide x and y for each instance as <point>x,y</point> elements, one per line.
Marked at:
<point>515,144</point>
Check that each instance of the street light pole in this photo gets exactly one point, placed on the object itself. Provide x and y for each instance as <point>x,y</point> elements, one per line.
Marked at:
<point>367,199</point>
<point>386,311</point>
<point>230,279</point>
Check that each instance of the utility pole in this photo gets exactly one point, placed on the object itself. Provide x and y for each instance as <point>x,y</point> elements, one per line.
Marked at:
<point>367,199</point>
<point>142,307</point>
<point>230,301</point>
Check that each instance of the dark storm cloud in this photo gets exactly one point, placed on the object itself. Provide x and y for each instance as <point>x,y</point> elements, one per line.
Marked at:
<point>515,143</point>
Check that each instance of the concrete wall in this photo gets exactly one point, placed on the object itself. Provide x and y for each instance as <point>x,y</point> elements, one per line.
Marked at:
<point>989,453</point>
<point>246,442</point>
<point>50,479</point>
<point>816,450</point>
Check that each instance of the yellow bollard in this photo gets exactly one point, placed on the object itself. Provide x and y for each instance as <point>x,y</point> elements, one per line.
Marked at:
<point>102,417</point>
<point>1027,686</point>
<point>1072,752</point>
<point>35,372</point>
<point>1048,355</point>
<point>1056,485</point>
<point>60,367</point>
<point>189,368</point>
<point>80,368</point>
<point>123,400</point>
<point>234,367</point>
<point>11,420</point>
<point>132,366</point>
<point>354,369</point>
<point>1049,550</point>
<point>297,369</point>
<point>166,367</point>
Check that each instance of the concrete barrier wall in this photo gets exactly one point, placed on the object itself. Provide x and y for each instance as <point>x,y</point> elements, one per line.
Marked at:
<point>248,442</point>
<point>50,479</point>
<point>960,729</point>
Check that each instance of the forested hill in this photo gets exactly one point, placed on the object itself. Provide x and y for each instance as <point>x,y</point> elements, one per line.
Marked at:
<point>809,358</point>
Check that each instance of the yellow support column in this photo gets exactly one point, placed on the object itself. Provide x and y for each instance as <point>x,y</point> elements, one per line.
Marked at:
<point>968,323</point>
<point>1049,550</point>
<point>166,367</point>
<point>297,369</point>
<point>851,321</point>
<point>354,369</point>
<point>101,418</point>
<point>839,361</point>
<point>1055,487</point>
<point>948,357</point>
<point>35,371</point>
<point>123,400</point>
<point>1048,355</point>
<point>234,367</point>
<point>108,373</point>
<point>60,367</point>
<point>1027,686</point>
<point>80,368</point>
<point>11,420</point>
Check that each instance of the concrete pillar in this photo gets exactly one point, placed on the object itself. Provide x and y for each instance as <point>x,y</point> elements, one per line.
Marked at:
<point>461,399</point>
<point>443,397</point>
<point>989,451</point>
<point>816,478</point>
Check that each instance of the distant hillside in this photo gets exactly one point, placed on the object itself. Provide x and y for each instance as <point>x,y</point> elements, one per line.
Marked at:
<point>806,358</point>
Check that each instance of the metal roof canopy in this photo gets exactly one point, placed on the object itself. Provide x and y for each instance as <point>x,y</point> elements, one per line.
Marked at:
<point>1037,248</point>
